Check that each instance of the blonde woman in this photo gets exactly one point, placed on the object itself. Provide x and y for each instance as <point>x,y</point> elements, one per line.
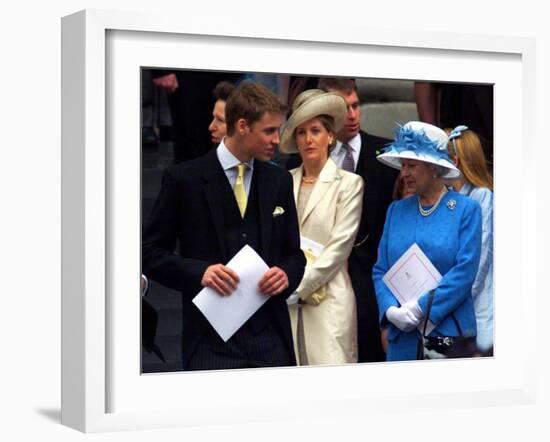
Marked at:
<point>329,202</point>
<point>475,181</point>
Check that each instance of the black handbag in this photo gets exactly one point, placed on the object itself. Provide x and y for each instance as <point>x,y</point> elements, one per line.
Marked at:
<point>444,346</point>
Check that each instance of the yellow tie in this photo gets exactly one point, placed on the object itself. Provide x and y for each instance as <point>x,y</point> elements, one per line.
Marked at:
<point>240,193</point>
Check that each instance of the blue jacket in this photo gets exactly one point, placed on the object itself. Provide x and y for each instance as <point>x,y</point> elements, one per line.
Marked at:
<point>482,289</point>
<point>451,238</point>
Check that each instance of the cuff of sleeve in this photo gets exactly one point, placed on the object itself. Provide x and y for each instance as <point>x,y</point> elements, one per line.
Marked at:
<point>316,297</point>
<point>144,291</point>
<point>293,299</point>
<point>423,304</point>
<point>415,309</point>
<point>383,308</point>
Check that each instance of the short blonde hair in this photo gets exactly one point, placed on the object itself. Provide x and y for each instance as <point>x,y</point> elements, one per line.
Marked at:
<point>467,148</point>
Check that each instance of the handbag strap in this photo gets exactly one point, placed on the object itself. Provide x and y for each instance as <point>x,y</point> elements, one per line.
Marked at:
<point>457,325</point>
<point>428,310</point>
<point>420,344</point>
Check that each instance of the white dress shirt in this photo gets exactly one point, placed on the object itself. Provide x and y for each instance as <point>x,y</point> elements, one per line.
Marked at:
<point>338,153</point>
<point>229,165</point>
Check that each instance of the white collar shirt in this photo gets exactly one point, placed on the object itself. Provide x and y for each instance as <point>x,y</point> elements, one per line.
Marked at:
<point>338,153</point>
<point>229,165</point>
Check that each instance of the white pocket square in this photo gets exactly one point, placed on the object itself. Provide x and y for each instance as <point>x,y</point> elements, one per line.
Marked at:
<point>278,211</point>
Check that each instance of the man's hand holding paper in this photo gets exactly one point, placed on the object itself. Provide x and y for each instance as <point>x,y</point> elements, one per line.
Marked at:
<point>273,282</point>
<point>248,281</point>
<point>220,278</point>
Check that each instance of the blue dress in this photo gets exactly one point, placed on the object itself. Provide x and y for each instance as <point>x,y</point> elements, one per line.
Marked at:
<point>451,238</point>
<point>482,290</point>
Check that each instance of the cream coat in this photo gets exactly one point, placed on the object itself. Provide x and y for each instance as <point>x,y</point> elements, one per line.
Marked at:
<point>331,218</point>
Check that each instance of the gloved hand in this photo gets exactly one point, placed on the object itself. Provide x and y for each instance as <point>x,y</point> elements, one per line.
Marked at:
<point>293,299</point>
<point>403,318</point>
<point>414,308</point>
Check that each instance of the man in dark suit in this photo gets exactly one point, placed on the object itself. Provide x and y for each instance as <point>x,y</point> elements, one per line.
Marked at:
<point>213,206</point>
<point>355,151</point>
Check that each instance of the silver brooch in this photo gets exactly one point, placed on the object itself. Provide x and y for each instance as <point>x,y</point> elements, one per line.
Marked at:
<point>451,204</point>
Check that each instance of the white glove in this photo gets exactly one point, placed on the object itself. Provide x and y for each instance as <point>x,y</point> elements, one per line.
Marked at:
<point>403,318</point>
<point>414,308</point>
<point>293,299</point>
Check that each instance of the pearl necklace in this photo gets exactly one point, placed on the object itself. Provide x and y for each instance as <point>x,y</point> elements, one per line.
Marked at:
<point>310,181</point>
<point>428,212</point>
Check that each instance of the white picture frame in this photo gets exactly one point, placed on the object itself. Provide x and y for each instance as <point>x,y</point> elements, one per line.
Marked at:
<point>99,379</point>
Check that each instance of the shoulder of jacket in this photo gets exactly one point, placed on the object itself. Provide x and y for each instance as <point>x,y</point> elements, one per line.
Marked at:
<point>374,139</point>
<point>481,194</point>
<point>181,170</point>
<point>464,202</point>
<point>353,179</point>
<point>274,172</point>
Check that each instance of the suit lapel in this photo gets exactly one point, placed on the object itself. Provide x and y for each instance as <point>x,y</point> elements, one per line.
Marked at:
<point>296,180</point>
<point>266,203</point>
<point>215,183</point>
<point>326,178</point>
<point>362,161</point>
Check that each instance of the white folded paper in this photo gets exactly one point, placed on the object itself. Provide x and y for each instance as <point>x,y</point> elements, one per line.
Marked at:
<point>228,313</point>
<point>411,276</point>
<point>311,246</point>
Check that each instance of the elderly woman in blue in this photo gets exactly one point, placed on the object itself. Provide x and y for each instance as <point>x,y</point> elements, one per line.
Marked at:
<point>446,226</point>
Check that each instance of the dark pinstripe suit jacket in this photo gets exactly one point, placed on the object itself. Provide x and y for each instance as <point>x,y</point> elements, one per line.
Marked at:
<point>188,210</point>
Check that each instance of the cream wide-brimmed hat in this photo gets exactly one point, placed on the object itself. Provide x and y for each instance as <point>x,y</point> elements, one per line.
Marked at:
<point>310,104</point>
<point>422,142</point>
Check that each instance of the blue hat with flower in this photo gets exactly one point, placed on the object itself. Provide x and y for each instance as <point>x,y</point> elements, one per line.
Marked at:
<point>420,141</point>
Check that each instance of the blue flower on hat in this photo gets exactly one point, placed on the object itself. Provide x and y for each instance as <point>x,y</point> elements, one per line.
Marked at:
<point>418,142</point>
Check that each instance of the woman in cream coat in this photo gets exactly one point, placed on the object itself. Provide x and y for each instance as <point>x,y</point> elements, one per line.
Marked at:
<point>329,200</point>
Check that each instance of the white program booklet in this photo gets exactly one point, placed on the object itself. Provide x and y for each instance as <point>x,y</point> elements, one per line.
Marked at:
<point>411,276</point>
<point>308,245</point>
<point>228,313</point>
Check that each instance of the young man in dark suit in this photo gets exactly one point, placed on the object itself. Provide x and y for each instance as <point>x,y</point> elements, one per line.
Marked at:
<point>213,206</point>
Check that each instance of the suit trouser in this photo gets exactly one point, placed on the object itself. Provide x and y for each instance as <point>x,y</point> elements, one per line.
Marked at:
<point>368,329</point>
<point>250,347</point>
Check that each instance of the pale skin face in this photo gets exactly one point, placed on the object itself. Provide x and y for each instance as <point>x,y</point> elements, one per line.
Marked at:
<point>352,124</point>
<point>313,140</point>
<point>405,191</point>
<point>217,127</point>
<point>418,177</point>
<point>258,140</point>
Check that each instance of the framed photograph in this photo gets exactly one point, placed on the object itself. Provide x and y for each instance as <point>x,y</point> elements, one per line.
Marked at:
<point>103,385</point>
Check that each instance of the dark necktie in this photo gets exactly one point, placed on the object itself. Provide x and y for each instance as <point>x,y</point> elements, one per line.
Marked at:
<point>348,163</point>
